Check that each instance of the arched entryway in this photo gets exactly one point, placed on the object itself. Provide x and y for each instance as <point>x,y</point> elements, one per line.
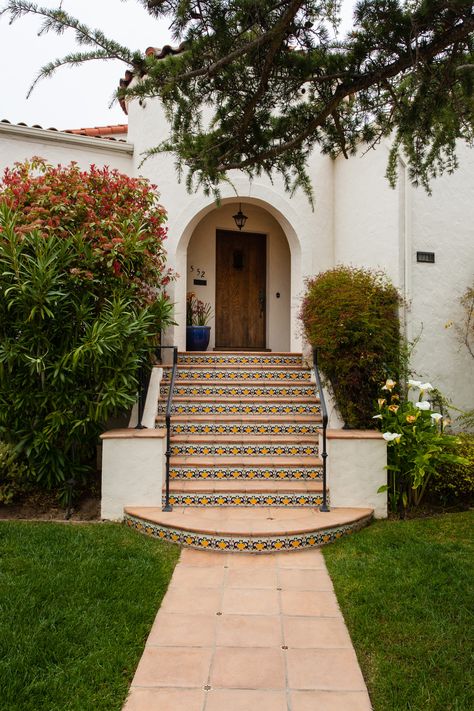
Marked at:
<point>245,275</point>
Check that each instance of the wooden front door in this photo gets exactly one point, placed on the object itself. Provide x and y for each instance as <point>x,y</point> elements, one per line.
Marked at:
<point>240,290</point>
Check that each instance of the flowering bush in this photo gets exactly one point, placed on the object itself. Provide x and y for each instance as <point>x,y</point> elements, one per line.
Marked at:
<point>351,317</point>
<point>82,278</point>
<point>417,445</point>
<point>198,312</point>
<point>117,220</point>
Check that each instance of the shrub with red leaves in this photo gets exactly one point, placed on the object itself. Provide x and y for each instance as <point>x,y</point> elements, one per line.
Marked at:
<point>119,218</point>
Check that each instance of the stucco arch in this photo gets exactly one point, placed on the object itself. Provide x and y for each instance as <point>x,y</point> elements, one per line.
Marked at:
<point>182,227</point>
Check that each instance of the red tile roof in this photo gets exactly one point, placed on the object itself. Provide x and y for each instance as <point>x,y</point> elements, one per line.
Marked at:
<point>100,131</point>
<point>158,53</point>
<point>106,132</point>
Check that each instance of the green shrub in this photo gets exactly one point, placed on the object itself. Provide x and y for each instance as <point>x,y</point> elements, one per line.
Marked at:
<point>351,317</point>
<point>81,303</point>
<point>453,483</point>
<point>13,474</point>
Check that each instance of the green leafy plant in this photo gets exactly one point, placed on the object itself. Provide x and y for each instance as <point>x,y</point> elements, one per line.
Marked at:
<point>417,445</point>
<point>13,474</point>
<point>198,312</point>
<point>453,482</point>
<point>82,300</point>
<point>351,317</point>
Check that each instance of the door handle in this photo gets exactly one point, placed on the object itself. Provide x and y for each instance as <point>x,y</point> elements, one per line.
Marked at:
<point>261,301</point>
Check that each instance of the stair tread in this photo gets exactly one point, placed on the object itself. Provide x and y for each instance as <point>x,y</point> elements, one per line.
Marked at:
<point>258,521</point>
<point>244,438</point>
<point>227,399</point>
<point>239,366</point>
<point>246,461</point>
<point>243,418</point>
<point>246,486</point>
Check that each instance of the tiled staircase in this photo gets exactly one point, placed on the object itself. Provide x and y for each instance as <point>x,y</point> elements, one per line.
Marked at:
<point>245,470</point>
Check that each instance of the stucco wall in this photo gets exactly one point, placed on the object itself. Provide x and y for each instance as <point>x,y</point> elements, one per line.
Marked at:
<point>18,143</point>
<point>443,223</point>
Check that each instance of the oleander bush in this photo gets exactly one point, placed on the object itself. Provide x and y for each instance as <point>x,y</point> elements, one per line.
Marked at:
<point>82,299</point>
<point>351,317</point>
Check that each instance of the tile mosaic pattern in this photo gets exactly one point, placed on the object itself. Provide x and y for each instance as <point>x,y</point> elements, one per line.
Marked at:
<point>297,473</point>
<point>251,449</point>
<point>244,544</point>
<point>239,374</point>
<point>245,499</point>
<point>243,408</point>
<point>230,390</point>
<point>241,358</point>
<point>220,428</point>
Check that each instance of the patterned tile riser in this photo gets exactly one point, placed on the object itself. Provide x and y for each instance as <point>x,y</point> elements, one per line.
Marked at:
<point>241,374</point>
<point>215,408</point>
<point>248,474</point>
<point>246,450</point>
<point>247,544</point>
<point>257,429</point>
<point>241,359</point>
<point>230,390</point>
<point>246,500</point>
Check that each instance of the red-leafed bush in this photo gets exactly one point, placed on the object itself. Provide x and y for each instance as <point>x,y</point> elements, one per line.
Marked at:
<point>82,301</point>
<point>351,317</point>
<point>119,219</point>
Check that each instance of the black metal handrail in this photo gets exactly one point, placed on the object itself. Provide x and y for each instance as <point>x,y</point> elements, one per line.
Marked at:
<point>169,406</point>
<point>324,455</point>
<point>144,374</point>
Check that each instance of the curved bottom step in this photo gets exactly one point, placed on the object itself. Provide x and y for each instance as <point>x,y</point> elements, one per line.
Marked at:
<point>254,530</point>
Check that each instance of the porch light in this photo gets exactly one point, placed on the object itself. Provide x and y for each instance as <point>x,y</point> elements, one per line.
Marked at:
<point>239,218</point>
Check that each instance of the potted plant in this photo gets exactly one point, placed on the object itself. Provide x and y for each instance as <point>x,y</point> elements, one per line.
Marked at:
<point>198,332</point>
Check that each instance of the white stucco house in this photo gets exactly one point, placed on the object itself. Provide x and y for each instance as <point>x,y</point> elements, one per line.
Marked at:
<point>357,219</point>
<point>424,243</point>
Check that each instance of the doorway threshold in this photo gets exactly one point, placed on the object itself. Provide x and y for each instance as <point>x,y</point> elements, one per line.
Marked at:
<point>237,349</point>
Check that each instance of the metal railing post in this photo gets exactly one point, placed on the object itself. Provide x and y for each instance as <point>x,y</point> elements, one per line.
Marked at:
<point>142,393</point>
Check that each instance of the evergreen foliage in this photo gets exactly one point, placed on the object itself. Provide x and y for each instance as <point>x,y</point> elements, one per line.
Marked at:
<point>351,317</point>
<point>260,84</point>
<point>81,254</point>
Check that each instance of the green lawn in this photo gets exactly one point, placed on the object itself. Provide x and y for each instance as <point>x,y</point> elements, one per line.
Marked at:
<point>76,605</point>
<point>406,591</point>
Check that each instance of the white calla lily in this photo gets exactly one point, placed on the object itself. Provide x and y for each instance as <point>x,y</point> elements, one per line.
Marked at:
<point>414,383</point>
<point>391,436</point>
<point>377,417</point>
<point>436,416</point>
<point>426,387</point>
<point>423,405</point>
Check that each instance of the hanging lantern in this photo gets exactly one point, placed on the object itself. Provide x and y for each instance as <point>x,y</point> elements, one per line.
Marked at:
<point>239,218</point>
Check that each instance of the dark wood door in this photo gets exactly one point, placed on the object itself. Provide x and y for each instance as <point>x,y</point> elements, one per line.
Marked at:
<point>240,290</point>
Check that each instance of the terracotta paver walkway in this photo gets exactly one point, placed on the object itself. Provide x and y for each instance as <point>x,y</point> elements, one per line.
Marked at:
<point>242,632</point>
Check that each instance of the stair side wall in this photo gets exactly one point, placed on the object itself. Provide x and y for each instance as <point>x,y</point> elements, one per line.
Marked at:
<point>356,466</point>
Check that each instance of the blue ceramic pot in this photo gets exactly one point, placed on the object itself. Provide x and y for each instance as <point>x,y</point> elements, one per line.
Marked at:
<point>197,338</point>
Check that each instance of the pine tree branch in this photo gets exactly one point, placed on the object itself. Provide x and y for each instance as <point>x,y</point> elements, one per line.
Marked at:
<point>406,61</point>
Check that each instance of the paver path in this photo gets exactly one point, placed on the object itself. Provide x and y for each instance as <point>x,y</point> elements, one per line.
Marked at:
<point>242,632</point>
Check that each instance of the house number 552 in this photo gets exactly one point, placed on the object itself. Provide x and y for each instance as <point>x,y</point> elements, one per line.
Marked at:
<point>201,273</point>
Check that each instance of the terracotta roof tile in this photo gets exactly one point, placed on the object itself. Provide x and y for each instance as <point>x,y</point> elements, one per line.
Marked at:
<point>158,53</point>
<point>104,132</point>
<point>101,131</point>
